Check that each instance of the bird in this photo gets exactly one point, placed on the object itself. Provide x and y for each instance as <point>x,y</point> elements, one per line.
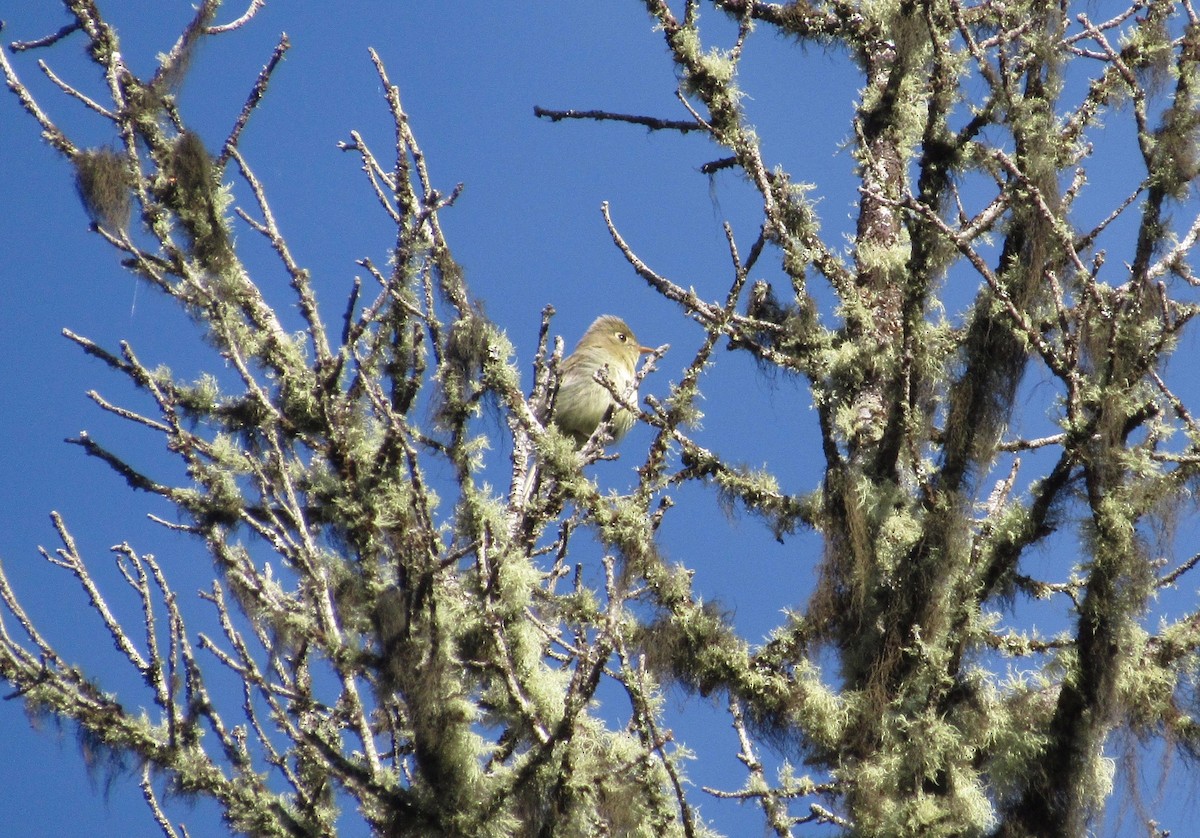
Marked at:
<point>582,401</point>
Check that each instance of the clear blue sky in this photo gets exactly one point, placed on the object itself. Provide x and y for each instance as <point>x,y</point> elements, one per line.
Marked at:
<point>528,232</point>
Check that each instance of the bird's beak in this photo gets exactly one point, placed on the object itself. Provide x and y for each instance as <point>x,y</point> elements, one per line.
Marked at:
<point>645,350</point>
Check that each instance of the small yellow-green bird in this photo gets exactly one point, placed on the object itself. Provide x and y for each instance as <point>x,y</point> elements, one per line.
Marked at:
<point>582,400</point>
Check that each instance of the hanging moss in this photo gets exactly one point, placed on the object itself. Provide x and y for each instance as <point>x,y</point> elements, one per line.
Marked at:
<point>193,190</point>
<point>105,187</point>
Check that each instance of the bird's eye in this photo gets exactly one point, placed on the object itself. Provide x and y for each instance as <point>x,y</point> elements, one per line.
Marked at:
<point>621,336</point>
